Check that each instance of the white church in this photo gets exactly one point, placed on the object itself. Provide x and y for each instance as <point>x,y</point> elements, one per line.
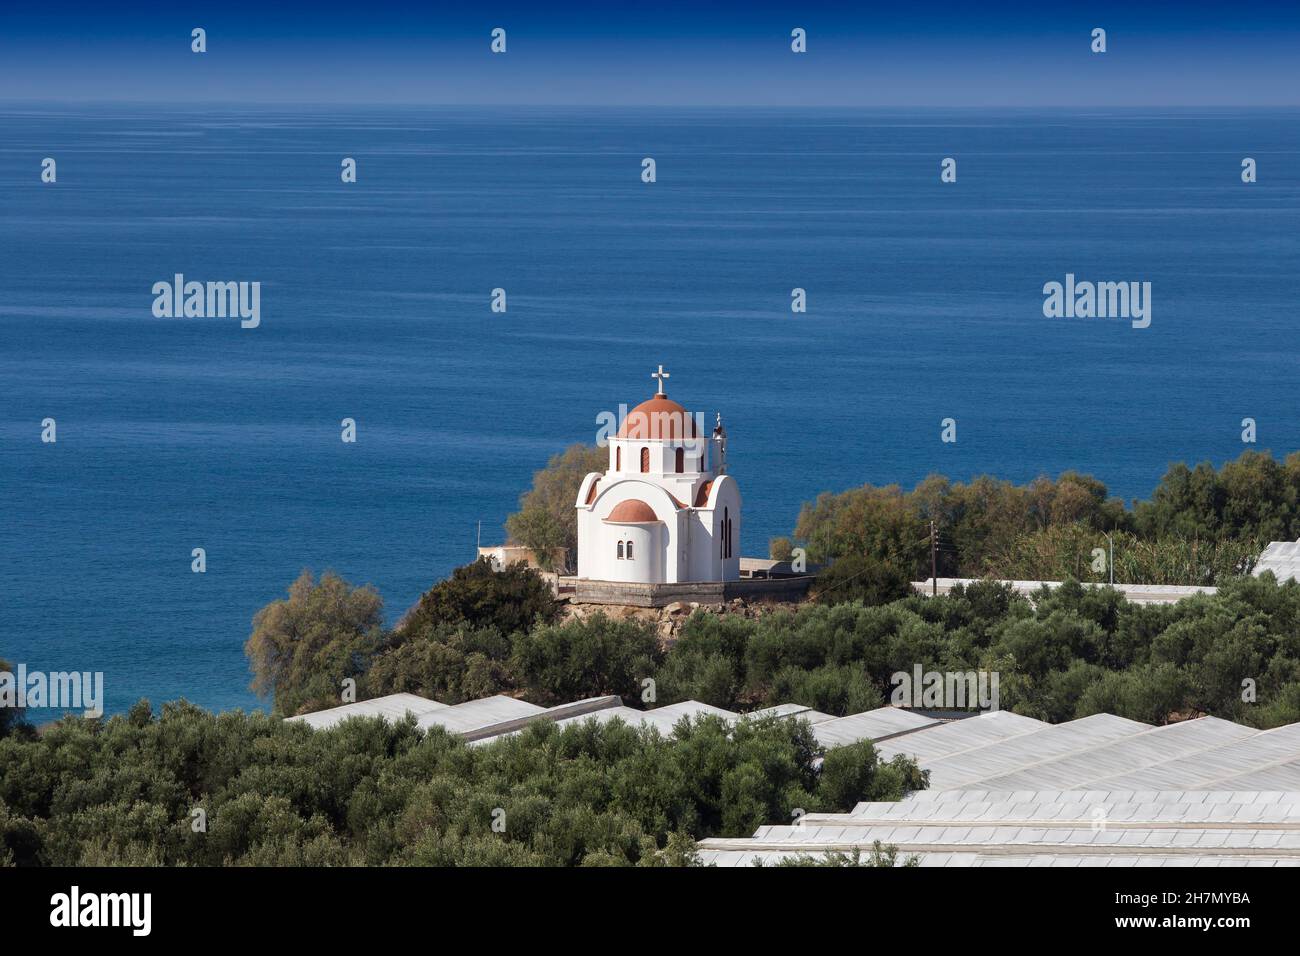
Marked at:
<point>665,511</point>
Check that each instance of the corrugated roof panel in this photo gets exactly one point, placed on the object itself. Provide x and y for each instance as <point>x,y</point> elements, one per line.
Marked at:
<point>989,828</point>
<point>960,735</point>
<point>692,708</point>
<point>1211,768</point>
<point>798,711</point>
<point>1282,558</point>
<point>1000,757</point>
<point>872,725</point>
<point>1116,757</point>
<point>478,713</point>
<point>1280,777</point>
<point>629,715</point>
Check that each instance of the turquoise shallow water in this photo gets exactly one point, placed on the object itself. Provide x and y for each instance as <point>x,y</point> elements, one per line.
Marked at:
<point>924,302</point>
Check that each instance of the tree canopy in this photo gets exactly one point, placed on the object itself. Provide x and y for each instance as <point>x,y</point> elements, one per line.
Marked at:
<point>547,517</point>
<point>1200,527</point>
<point>511,599</point>
<point>302,648</point>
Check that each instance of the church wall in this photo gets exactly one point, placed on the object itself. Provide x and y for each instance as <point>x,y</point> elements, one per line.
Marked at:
<point>646,565</point>
<point>706,561</point>
<point>597,543</point>
<point>704,564</point>
<point>586,547</point>
<point>727,502</point>
<point>587,557</point>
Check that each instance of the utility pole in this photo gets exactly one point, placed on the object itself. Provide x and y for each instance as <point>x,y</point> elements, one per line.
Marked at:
<point>934,563</point>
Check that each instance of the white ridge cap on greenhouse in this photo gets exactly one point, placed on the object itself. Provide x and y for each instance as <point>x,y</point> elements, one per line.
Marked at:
<point>393,707</point>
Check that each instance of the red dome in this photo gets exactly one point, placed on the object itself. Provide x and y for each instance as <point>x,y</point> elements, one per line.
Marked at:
<point>658,418</point>
<point>632,511</point>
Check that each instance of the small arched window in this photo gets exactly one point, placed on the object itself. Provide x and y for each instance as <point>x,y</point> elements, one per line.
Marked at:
<point>645,460</point>
<point>629,550</point>
<point>681,460</point>
<point>618,458</point>
<point>620,550</point>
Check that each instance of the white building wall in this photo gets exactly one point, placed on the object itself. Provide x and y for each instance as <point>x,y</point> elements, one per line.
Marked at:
<point>707,563</point>
<point>703,562</point>
<point>728,503</point>
<point>597,543</point>
<point>646,564</point>
<point>588,566</point>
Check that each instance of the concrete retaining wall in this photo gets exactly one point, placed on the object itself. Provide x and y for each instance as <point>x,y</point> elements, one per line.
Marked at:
<point>704,592</point>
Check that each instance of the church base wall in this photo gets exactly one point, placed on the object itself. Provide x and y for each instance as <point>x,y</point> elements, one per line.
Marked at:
<point>629,594</point>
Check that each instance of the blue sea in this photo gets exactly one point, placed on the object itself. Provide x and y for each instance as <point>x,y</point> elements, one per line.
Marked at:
<point>924,302</point>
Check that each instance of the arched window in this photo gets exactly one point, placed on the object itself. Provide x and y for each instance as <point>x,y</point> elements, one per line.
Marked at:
<point>629,550</point>
<point>681,460</point>
<point>620,550</point>
<point>618,458</point>
<point>645,459</point>
<point>701,468</point>
<point>725,533</point>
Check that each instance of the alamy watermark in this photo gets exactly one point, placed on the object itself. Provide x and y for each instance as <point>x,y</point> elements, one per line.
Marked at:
<point>950,690</point>
<point>55,690</point>
<point>1101,300</point>
<point>208,300</point>
<point>133,911</point>
<point>689,428</point>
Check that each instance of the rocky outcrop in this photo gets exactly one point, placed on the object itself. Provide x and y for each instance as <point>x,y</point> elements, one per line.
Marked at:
<point>667,621</point>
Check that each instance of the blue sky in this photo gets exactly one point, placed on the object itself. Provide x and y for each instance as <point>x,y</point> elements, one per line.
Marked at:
<point>626,53</point>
